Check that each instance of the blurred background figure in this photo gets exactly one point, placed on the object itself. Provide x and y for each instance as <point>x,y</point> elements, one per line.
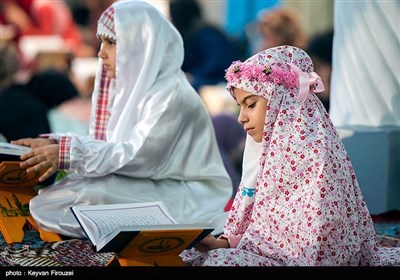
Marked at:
<point>86,13</point>
<point>280,26</point>
<point>365,87</point>
<point>365,96</point>
<point>67,108</point>
<point>21,113</point>
<point>241,23</point>
<point>208,52</point>
<point>2,138</point>
<point>24,105</point>
<point>44,18</point>
<point>320,50</point>
<point>208,49</point>
<point>229,132</point>
<point>231,139</point>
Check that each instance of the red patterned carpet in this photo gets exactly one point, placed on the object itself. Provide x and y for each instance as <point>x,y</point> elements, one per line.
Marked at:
<point>78,253</point>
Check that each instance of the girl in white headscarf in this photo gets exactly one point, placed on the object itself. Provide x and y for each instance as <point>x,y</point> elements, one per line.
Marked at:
<point>299,203</point>
<point>151,137</point>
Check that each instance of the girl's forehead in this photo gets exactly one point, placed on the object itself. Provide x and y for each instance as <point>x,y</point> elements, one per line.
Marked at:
<point>241,94</point>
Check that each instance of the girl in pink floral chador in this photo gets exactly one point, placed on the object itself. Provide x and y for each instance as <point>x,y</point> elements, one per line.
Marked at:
<point>299,202</point>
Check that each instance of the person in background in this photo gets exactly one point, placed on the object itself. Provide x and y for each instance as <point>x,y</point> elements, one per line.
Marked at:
<point>71,116</point>
<point>280,26</point>
<point>208,52</point>
<point>57,91</point>
<point>150,136</point>
<point>208,49</point>
<point>21,113</point>
<point>230,138</point>
<point>230,134</point>
<point>3,138</point>
<point>86,14</point>
<point>320,50</point>
<point>24,105</point>
<point>365,87</point>
<point>44,17</point>
<point>299,202</point>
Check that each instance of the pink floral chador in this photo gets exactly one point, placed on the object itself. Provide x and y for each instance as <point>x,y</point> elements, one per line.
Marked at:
<point>299,202</point>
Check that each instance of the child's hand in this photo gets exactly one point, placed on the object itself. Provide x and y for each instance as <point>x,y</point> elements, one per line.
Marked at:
<point>42,158</point>
<point>210,243</point>
<point>34,142</point>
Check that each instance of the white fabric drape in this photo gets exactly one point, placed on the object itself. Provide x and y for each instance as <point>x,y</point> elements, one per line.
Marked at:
<point>365,85</point>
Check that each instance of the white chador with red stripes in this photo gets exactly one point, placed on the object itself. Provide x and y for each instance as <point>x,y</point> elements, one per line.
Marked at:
<point>151,137</point>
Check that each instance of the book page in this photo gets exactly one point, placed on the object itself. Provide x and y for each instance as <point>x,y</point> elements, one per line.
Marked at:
<point>11,149</point>
<point>100,220</point>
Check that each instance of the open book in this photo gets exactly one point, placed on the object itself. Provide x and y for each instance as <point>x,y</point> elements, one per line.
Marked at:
<point>143,227</point>
<point>11,152</point>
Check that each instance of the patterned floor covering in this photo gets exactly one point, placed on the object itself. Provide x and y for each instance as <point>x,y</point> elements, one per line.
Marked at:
<point>388,233</point>
<point>387,227</point>
<point>32,251</point>
<point>79,253</point>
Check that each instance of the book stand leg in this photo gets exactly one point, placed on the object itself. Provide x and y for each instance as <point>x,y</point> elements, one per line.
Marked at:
<point>44,235</point>
<point>14,214</point>
<point>12,229</point>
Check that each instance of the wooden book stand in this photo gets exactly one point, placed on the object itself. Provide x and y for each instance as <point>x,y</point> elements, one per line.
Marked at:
<point>16,190</point>
<point>156,248</point>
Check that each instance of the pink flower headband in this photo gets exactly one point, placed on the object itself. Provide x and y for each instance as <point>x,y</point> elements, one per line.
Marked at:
<point>261,74</point>
<point>290,77</point>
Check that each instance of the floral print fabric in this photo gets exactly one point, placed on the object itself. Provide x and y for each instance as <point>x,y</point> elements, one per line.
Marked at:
<point>308,209</point>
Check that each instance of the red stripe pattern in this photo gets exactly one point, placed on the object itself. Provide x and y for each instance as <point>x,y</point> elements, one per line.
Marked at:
<point>64,158</point>
<point>102,114</point>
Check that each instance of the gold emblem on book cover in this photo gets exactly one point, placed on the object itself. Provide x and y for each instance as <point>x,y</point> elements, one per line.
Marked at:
<point>160,245</point>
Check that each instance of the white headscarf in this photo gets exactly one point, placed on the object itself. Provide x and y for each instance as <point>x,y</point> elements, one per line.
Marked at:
<point>151,137</point>
<point>149,58</point>
<point>151,106</point>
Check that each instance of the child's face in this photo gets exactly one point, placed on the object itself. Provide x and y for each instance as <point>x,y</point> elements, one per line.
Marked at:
<point>252,113</point>
<point>107,53</point>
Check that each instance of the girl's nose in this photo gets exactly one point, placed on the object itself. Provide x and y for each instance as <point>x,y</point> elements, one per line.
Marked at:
<point>241,118</point>
<point>101,53</point>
